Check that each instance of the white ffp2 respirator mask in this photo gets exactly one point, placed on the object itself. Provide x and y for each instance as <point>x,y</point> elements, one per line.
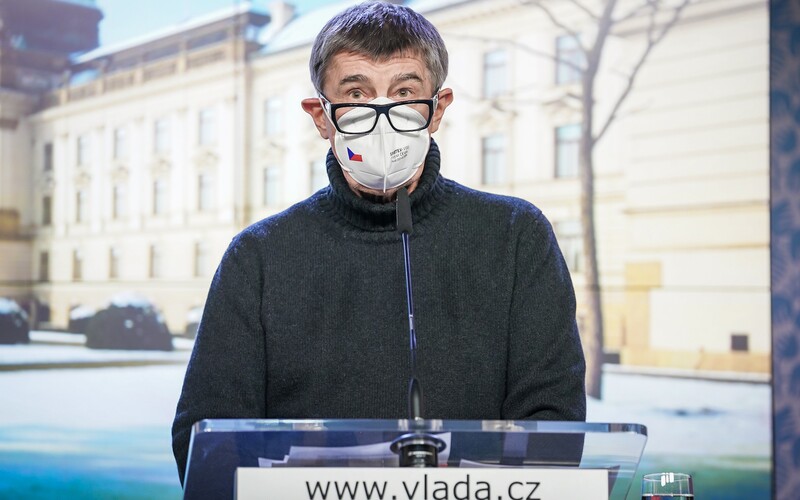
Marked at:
<point>384,158</point>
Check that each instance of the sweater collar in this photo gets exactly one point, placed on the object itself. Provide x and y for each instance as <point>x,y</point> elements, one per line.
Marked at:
<point>372,216</point>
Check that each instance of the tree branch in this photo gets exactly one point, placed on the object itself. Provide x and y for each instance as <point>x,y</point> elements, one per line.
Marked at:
<point>652,41</point>
<point>651,24</point>
<point>675,16</point>
<point>517,45</point>
<point>585,9</point>
<point>635,12</point>
<point>556,22</point>
<point>604,25</point>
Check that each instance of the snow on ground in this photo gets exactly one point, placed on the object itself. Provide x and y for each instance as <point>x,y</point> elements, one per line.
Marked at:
<point>55,348</point>
<point>39,336</point>
<point>683,416</point>
<point>96,398</point>
<point>690,417</point>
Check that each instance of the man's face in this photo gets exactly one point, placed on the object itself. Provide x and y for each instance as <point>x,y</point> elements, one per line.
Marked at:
<point>353,77</point>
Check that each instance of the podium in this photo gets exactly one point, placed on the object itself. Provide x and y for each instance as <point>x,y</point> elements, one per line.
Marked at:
<point>566,454</point>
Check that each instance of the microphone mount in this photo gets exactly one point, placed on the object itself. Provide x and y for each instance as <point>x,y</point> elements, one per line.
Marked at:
<point>416,449</point>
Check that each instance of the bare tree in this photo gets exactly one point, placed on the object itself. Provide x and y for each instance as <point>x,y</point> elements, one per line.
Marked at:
<point>605,15</point>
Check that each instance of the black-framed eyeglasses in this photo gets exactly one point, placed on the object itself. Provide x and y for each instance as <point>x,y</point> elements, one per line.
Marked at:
<point>361,117</point>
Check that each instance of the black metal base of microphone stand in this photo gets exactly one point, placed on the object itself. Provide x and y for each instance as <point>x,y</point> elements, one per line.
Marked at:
<point>418,450</point>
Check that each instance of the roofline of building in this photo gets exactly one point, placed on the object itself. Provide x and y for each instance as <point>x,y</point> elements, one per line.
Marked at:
<point>176,29</point>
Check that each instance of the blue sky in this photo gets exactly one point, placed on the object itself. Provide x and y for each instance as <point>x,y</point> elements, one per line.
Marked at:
<point>125,19</point>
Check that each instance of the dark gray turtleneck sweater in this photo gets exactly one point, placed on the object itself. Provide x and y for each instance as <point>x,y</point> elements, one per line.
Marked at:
<point>306,316</point>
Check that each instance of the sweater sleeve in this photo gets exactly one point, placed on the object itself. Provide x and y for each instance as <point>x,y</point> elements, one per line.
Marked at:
<point>226,375</point>
<point>546,367</point>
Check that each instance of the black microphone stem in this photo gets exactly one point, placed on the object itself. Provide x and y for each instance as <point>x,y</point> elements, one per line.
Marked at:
<point>417,449</point>
<point>414,387</point>
<point>410,302</point>
<point>404,227</point>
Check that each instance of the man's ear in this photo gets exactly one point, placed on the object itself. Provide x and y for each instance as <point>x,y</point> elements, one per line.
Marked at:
<point>445,98</point>
<point>313,107</point>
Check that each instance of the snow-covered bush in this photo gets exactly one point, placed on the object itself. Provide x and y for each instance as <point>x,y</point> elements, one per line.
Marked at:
<point>129,322</point>
<point>14,328</point>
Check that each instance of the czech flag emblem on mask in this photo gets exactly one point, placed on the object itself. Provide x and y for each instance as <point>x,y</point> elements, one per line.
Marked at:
<point>353,156</point>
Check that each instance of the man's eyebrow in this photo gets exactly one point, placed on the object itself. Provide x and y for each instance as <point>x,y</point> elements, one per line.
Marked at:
<point>358,78</point>
<point>407,76</point>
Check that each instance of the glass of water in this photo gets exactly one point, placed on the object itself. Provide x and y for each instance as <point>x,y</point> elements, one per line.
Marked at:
<point>667,485</point>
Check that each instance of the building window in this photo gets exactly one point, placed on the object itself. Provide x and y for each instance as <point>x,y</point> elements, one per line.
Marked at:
<point>493,159</point>
<point>159,197</point>
<point>252,33</point>
<point>207,127</point>
<point>205,194</point>
<point>113,263</point>
<point>44,265</point>
<point>495,73</point>
<point>570,239</point>
<point>47,210</point>
<point>120,143</point>
<point>568,144</point>
<point>272,116</point>
<point>120,203</point>
<point>161,136</point>
<point>740,342</point>
<point>77,265</point>
<point>81,206</point>
<point>83,150</point>
<point>319,175</point>
<point>569,57</point>
<point>200,259</point>
<point>271,191</point>
<point>155,261</point>
<point>47,160</point>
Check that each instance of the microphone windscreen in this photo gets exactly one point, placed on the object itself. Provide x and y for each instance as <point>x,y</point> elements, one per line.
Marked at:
<point>414,399</point>
<point>404,224</point>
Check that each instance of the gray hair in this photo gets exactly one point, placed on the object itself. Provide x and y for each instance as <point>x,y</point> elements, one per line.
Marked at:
<point>379,30</point>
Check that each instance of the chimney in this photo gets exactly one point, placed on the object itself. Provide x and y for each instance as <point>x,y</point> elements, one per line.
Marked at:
<point>280,13</point>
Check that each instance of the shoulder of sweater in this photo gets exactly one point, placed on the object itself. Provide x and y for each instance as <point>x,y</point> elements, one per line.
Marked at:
<point>517,209</point>
<point>522,222</point>
<point>290,215</point>
<point>284,219</point>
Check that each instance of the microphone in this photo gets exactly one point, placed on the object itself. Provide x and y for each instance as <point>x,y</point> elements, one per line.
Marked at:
<point>404,223</point>
<point>405,227</point>
<point>415,449</point>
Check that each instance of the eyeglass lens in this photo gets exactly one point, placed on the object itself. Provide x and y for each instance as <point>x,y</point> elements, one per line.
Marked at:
<point>403,118</point>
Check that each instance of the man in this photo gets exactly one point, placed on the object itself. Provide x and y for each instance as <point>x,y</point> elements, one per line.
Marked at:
<point>306,315</point>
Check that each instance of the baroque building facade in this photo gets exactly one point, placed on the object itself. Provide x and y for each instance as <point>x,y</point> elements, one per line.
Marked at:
<point>143,159</point>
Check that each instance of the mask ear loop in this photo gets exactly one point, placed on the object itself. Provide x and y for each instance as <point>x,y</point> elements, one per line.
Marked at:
<point>325,107</point>
<point>435,105</point>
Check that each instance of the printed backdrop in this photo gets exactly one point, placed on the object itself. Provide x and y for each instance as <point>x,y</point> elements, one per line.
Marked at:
<point>785,201</point>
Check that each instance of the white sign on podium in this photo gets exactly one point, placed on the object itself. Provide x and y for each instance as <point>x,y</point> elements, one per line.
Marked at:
<point>464,483</point>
